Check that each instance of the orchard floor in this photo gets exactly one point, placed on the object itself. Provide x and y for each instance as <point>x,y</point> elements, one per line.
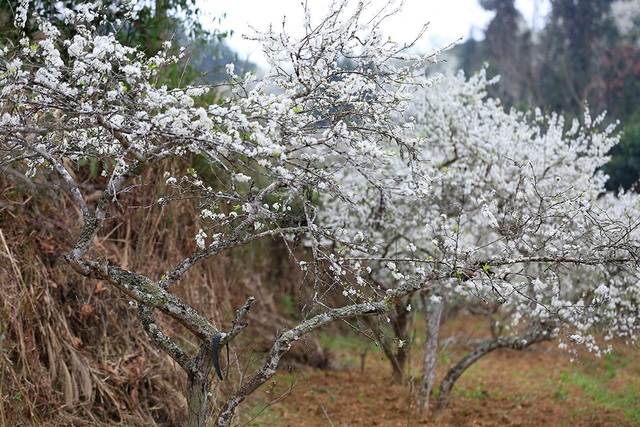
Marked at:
<point>538,387</point>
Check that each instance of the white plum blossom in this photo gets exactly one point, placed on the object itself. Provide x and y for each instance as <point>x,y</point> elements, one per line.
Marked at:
<point>21,13</point>
<point>394,182</point>
<point>230,69</point>
<point>240,177</point>
<point>200,242</point>
<point>515,212</point>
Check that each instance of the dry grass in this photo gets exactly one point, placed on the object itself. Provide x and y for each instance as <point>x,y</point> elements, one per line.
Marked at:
<point>69,355</point>
<point>71,350</point>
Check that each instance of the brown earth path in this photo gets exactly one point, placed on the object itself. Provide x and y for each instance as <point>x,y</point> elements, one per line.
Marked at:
<point>506,388</point>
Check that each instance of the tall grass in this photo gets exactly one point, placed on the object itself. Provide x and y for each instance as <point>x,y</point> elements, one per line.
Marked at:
<point>71,349</point>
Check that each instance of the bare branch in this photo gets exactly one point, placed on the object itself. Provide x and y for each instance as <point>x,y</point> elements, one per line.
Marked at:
<point>161,340</point>
<point>283,342</point>
<point>149,293</point>
<point>534,333</point>
<point>68,179</point>
<point>240,322</point>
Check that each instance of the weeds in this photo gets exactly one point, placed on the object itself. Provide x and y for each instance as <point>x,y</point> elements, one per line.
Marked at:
<point>476,392</point>
<point>605,383</point>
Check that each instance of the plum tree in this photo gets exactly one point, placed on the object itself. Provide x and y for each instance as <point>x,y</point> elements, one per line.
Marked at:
<point>269,144</point>
<point>390,195</point>
<point>515,218</point>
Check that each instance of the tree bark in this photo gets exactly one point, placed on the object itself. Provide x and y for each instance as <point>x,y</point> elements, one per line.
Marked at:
<point>433,316</point>
<point>198,388</point>
<point>197,402</point>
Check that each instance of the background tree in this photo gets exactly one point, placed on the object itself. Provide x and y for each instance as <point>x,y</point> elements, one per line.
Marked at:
<point>514,222</point>
<point>586,54</point>
<point>509,43</point>
<point>576,36</point>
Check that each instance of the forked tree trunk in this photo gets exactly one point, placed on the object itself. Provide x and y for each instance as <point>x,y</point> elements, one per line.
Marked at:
<point>433,314</point>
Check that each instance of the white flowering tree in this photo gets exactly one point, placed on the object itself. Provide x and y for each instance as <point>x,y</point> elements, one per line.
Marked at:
<point>514,219</point>
<point>274,145</point>
<point>445,194</point>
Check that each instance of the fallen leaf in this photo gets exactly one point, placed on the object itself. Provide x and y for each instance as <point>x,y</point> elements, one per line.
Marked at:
<point>85,312</point>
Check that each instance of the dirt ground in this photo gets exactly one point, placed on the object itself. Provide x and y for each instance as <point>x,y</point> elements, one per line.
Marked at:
<point>506,388</point>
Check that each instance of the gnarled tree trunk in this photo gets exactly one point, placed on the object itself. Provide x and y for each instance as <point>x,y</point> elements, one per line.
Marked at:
<point>534,333</point>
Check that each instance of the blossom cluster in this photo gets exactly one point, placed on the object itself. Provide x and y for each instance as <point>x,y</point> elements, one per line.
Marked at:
<point>504,208</point>
<point>391,177</point>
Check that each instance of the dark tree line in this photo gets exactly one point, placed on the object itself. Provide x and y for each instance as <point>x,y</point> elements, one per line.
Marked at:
<point>579,58</point>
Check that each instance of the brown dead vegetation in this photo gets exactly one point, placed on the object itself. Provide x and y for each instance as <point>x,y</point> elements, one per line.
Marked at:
<point>72,352</point>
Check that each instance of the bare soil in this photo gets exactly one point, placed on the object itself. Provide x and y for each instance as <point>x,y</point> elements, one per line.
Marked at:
<point>506,388</point>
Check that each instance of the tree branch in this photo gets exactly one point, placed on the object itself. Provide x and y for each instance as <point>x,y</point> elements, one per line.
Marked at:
<point>283,342</point>
<point>162,341</point>
<point>68,179</point>
<point>240,322</point>
<point>233,241</point>
<point>536,332</point>
<point>148,293</point>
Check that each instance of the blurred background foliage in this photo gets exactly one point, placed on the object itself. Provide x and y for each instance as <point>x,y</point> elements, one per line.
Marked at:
<point>584,55</point>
